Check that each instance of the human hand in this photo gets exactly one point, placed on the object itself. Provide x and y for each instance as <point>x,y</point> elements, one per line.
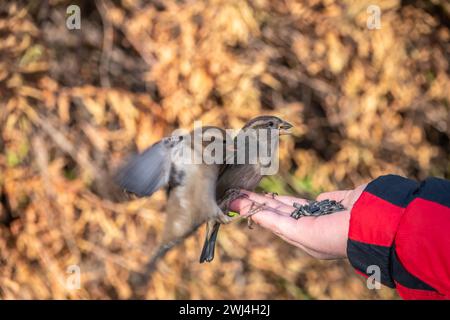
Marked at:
<point>323,237</point>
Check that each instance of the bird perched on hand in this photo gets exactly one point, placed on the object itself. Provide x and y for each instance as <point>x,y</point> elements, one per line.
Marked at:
<point>196,193</point>
<point>237,175</point>
<point>191,183</point>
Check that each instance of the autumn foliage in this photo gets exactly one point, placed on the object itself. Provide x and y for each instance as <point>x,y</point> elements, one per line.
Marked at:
<point>75,103</point>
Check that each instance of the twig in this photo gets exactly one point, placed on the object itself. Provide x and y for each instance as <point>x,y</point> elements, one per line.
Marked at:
<point>108,39</point>
<point>42,161</point>
<point>136,42</point>
<point>62,141</point>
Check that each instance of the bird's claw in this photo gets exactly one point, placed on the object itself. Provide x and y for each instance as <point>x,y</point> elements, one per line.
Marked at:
<point>225,219</point>
<point>231,195</point>
<point>250,223</point>
<point>254,209</point>
<point>273,194</point>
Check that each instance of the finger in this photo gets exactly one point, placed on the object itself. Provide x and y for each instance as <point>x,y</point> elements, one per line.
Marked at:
<point>268,202</point>
<point>348,197</point>
<point>244,204</point>
<point>333,195</point>
<point>288,200</point>
<point>324,237</point>
<point>354,195</point>
<point>277,223</point>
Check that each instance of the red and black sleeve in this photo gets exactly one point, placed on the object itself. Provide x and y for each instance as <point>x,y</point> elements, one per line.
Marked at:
<point>403,227</point>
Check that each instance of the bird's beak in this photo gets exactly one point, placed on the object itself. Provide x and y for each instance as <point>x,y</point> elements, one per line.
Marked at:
<point>285,128</point>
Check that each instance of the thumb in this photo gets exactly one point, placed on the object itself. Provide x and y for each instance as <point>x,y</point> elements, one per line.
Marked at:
<point>333,195</point>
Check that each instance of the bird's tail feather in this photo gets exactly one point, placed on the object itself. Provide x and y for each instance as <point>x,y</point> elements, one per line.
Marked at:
<point>207,254</point>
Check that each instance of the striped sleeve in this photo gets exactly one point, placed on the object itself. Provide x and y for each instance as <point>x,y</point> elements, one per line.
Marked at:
<point>403,227</point>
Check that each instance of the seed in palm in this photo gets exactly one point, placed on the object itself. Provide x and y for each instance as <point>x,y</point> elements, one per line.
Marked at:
<point>316,208</point>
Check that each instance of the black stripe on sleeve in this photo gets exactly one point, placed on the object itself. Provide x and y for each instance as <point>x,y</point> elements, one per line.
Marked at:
<point>436,190</point>
<point>397,190</point>
<point>362,255</point>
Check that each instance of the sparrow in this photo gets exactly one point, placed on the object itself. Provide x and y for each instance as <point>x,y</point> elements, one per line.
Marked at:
<point>197,192</point>
<point>235,176</point>
<point>191,185</point>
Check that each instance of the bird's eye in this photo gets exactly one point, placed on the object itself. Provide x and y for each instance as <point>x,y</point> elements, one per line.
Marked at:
<point>271,124</point>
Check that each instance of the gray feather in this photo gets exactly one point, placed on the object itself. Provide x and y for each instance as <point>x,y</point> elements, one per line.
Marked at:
<point>147,172</point>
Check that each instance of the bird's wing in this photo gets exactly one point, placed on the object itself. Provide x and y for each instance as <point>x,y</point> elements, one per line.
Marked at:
<point>226,166</point>
<point>148,171</point>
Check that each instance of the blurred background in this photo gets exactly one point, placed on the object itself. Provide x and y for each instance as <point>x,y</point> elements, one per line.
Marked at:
<point>74,103</point>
